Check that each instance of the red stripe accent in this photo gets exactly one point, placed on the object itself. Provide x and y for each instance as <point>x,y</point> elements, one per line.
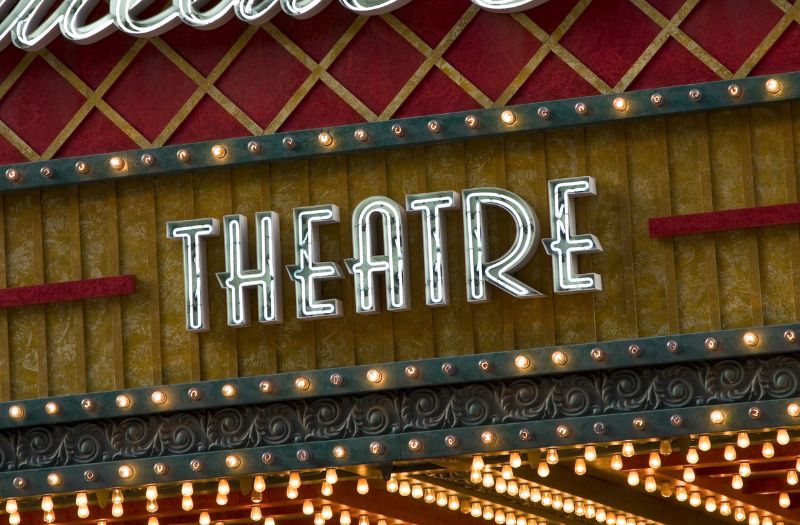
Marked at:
<point>717,221</point>
<point>67,291</point>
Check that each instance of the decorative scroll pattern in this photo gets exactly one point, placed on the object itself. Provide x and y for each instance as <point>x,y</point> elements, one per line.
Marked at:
<point>215,93</point>
<point>402,411</point>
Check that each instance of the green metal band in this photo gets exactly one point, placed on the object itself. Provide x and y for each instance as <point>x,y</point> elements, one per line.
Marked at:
<point>543,362</point>
<point>658,424</point>
<point>556,114</point>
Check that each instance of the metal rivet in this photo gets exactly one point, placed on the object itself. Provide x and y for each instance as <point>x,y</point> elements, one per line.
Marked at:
<point>376,448</point>
<point>449,368</point>
<point>754,412</point>
<point>46,172</point>
<point>563,431</point>
<point>598,354</point>
<point>88,404</point>
<point>398,130</point>
<point>734,91</point>
<point>13,175</point>
<point>194,394</point>
<point>676,420</point>
<point>599,428</point>
<point>148,159</point>
<point>451,441</point>
<point>196,465</point>
<point>695,94</point>
<point>672,346</point>
<point>635,350</point>
<point>289,143</point>
<point>253,147</point>
<point>484,365</point>
<point>581,108</point>
<point>267,458</point>
<point>303,454</point>
<point>414,444</point>
<point>20,483</point>
<point>266,386</point>
<point>639,423</point>
<point>434,126</point>
<point>657,99</point>
<point>160,468</point>
<point>525,434</point>
<point>361,135</point>
<point>711,343</point>
<point>184,155</point>
<point>471,121</point>
<point>790,336</point>
<point>543,112</point>
<point>412,371</point>
<point>337,379</point>
<point>89,475</point>
<point>82,167</point>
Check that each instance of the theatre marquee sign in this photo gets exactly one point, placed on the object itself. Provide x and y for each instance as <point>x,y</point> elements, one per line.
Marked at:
<point>380,220</point>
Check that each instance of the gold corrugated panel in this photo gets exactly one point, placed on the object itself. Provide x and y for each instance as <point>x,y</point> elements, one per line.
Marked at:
<point>655,167</point>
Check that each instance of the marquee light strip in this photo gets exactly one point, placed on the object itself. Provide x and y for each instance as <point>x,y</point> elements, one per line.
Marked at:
<point>410,446</point>
<point>354,138</point>
<point>67,291</point>
<point>662,350</point>
<point>717,221</point>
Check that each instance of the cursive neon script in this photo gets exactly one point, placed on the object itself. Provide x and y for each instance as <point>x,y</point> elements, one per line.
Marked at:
<point>32,24</point>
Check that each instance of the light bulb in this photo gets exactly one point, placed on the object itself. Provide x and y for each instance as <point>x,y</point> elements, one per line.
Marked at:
<point>773,86</point>
<point>49,517</point>
<point>204,519</point>
<point>704,442</point>
<point>255,514</point>
<point>47,503</point>
<point>737,482</point>
<point>513,488</point>
<point>633,478</point>
<point>552,456</point>
<point>694,499</point>
<point>326,489</point>
<point>294,480</point>
<point>729,453</point>
<point>186,503</point>
<point>11,506</point>
<point>725,508</point>
<point>416,491</point>
<point>326,512</point>
<point>558,502</point>
<point>488,480</point>
<point>515,460</point>
<point>308,507</point>
<point>590,453</point>
<point>620,104</point>
<point>500,485</point>
<point>158,397</point>
<point>654,460</point>
<point>391,484</point>
<point>783,500</point>
<point>475,510</point>
<point>151,506</point>
<point>536,495</point>
<point>405,488</point>
<point>744,469</point>
<point>627,449</point>
<point>116,496</point>
<point>362,487</point>
<point>681,494</point>
<point>507,472</point>
<point>291,493</point>
<point>83,511</point>
<point>580,466</point>
<point>429,496</point>
<point>188,490</point>
<point>547,499</point>
<point>616,462</point>
<point>692,456</point>
<point>711,504</point>
<point>742,440</point>
<point>222,499</point>
<point>688,475</point>
<point>477,463</point>
<point>650,484</point>
<point>344,518</point>
<point>116,510</point>
<point>767,450</point>
<point>13,518</point>
<point>441,499</point>
<point>782,436</point>
<point>81,499</point>
<point>453,503</point>
<point>488,513</point>
<point>223,487</point>
<point>151,492</point>
<point>791,477</point>
<point>738,514</point>
<point>524,491</point>
<point>752,519</point>
<point>543,470</point>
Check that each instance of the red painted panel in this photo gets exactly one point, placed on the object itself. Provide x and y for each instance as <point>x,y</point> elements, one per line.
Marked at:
<point>717,221</point>
<point>67,291</point>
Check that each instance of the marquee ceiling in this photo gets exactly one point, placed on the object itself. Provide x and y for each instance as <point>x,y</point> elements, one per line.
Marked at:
<point>337,68</point>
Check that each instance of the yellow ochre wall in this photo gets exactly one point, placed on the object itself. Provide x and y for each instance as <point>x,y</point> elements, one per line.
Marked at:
<point>655,167</point>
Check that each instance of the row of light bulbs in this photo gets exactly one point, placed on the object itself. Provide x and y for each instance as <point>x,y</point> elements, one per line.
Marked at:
<point>325,138</point>
<point>375,376</point>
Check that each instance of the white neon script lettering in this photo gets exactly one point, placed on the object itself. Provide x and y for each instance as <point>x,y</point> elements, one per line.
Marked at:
<point>24,22</point>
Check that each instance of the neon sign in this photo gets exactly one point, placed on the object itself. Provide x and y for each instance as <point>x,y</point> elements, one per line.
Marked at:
<point>32,24</point>
<point>382,218</point>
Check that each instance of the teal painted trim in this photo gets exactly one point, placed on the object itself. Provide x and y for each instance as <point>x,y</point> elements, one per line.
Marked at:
<point>621,354</point>
<point>380,135</point>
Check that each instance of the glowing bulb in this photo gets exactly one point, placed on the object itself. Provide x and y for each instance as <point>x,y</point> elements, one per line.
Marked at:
<point>729,453</point>
<point>259,484</point>
<point>16,412</point>
<point>125,472</point>
<point>123,401</point>
<point>559,358</point>
<point>782,436</point>
<point>222,499</point>
<point>752,519</point>
<point>744,469</point>
<point>654,460</point>
<point>326,489</point>
<point>11,506</point>
<point>536,495</point>
<point>232,461</point>
<point>188,490</point>
<point>362,487</point>
<point>507,472</point>
<point>767,450</point>
<point>405,488</point>
<point>294,480</point>
<point>151,506</point>
<point>590,453</point>
<point>773,86</point>
<point>47,503</point>
<point>477,463</point>
<point>616,462</point>
<point>488,437</point>
<point>81,499</point>
<point>513,488</point>
<point>704,442</point>
<point>219,151</point>
<point>308,507</point>
<point>692,456</point>
<point>627,449</point>
<point>223,487</point>
<point>524,492</point>
<point>228,390</point>
<point>49,517</point>
<point>51,408</point>
<point>650,484</point>
<point>475,510</point>
<point>83,512</point>
<point>186,503</point>
<point>344,518</point>
<point>791,477</point>
<point>552,456</point>
<point>325,138</point>
<point>116,510</point>
<point>13,518</point>
<point>793,409</point>
<point>204,519</point>
<point>429,496</point>
<point>500,485</point>
<point>681,494</point>
<point>488,513</point>
<point>783,500</point>
<point>633,478</point>
<point>391,485</point>
<point>327,512</point>
<point>416,491</point>
<point>580,466</point>
<point>742,440</point>
<point>269,521</point>
<point>737,482</point>
<point>453,503</point>
<point>688,475</point>
<point>711,504</point>
<point>158,397</point>
<point>291,493</point>
<point>151,492</point>
<point>725,508</point>
<point>255,514</point>
<point>374,376</point>
<point>543,470</point>
<point>441,499</point>
<point>694,499</point>
<point>116,496</point>
<point>339,452</point>
<point>738,514</point>
<point>620,104</point>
